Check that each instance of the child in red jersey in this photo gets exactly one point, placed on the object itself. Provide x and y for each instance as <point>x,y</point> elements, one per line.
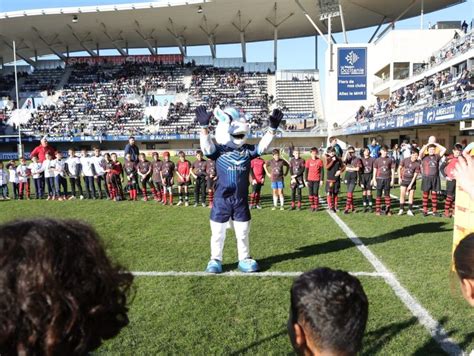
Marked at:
<point>448,169</point>
<point>130,169</point>
<point>156,175</point>
<point>183,171</point>
<point>167,173</point>
<point>275,169</point>
<point>314,177</point>
<point>144,174</point>
<point>383,179</point>
<point>353,165</point>
<point>211,178</point>
<point>334,167</point>
<point>117,177</point>
<point>297,166</point>
<point>430,169</point>
<point>366,173</point>
<point>198,171</point>
<point>257,179</point>
<point>408,172</point>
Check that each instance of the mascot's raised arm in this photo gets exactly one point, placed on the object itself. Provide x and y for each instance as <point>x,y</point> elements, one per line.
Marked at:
<point>232,156</point>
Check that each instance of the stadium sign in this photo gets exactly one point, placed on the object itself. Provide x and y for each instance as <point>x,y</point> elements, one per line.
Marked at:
<point>160,58</point>
<point>352,73</point>
<point>439,115</point>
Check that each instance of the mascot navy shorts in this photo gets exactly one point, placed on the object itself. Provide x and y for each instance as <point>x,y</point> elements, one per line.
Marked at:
<point>233,208</point>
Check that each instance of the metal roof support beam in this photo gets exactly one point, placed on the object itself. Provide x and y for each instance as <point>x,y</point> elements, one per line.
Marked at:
<point>275,25</point>
<point>210,36</point>
<point>311,21</point>
<point>343,23</point>
<point>145,39</point>
<point>377,29</point>
<point>178,38</point>
<point>392,24</point>
<point>114,41</point>
<point>27,60</point>
<point>48,44</point>
<point>242,29</point>
<point>81,42</point>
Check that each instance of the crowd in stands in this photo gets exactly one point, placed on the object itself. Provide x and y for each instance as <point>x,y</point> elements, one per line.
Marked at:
<point>111,99</point>
<point>437,89</point>
<point>459,45</point>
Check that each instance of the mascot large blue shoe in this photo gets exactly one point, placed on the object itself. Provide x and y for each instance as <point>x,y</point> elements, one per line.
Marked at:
<point>232,156</point>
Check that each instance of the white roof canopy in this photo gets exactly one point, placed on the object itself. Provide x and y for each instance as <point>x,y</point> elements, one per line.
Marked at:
<point>179,24</point>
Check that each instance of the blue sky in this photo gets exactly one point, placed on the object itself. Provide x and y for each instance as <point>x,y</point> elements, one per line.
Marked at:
<point>263,51</point>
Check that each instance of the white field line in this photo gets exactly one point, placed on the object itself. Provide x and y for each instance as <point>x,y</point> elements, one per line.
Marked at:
<point>436,331</point>
<point>238,274</point>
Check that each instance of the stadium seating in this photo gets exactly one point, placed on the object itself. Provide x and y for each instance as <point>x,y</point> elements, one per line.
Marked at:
<point>125,99</point>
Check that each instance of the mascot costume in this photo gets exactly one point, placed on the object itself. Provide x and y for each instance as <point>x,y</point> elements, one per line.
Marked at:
<point>232,156</point>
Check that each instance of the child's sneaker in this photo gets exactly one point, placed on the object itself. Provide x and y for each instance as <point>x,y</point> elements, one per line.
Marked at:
<point>214,266</point>
<point>248,265</point>
<point>258,207</point>
<point>179,203</point>
<point>186,204</point>
<point>410,213</point>
<point>400,212</point>
<point>274,208</point>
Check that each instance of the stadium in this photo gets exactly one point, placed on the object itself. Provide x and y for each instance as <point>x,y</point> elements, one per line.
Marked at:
<point>101,78</point>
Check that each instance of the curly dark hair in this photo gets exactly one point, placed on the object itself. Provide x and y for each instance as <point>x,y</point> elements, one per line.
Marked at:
<point>59,292</point>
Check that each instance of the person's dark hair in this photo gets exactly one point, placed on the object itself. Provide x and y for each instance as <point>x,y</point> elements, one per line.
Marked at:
<point>331,149</point>
<point>457,147</point>
<point>95,147</point>
<point>199,152</point>
<point>131,138</point>
<point>414,150</point>
<point>333,305</point>
<point>431,145</point>
<point>60,295</point>
<point>275,151</point>
<point>313,149</point>
<point>332,138</point>
<point>464,257</point>
<point>180,153</point>
<point>384,148</point>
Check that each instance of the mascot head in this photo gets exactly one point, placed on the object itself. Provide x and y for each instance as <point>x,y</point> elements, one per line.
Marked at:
<point>232,129</point>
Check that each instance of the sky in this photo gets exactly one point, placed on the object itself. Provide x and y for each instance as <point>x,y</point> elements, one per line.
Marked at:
<point>263,51</point>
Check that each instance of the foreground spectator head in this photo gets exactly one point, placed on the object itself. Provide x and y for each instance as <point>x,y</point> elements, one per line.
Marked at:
<point>464,266</point>
<point>276,154</point>
<point>314,152</point>
<point>464,174</point>
<point>61,295</point>
<point>328,313</point>
<point>131,140</point>
<point>332,140</point>
<point>44,142</point>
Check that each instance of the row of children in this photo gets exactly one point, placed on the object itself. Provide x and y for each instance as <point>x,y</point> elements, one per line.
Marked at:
<point>371,173</point>
<point>105,170</point>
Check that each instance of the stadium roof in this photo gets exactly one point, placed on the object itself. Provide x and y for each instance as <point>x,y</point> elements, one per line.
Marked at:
<point>182,23</point>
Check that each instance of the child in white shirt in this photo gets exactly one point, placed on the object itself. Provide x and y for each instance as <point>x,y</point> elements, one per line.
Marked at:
<point>88,173</point>
<point>13,178</point>
<point>60,176</point>
<point>36,169</point>
<point>24,174</point>
<point>73,170</point>
<point>3,183</point>
<point>49,166</point>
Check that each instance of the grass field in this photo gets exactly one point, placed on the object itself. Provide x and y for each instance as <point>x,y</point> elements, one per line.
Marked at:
<point>247,315</point>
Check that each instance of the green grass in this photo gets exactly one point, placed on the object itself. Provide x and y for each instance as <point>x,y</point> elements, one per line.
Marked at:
<point>224,315</point>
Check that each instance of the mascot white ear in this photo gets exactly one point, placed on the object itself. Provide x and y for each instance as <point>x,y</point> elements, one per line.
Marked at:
<point>222,128</point>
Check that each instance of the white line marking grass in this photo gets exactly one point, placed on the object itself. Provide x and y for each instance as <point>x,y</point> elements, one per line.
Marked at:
<point>238,274</point>
<point>436,331</point>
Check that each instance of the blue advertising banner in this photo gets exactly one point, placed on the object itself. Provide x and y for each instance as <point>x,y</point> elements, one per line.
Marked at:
<point>462,110</point>
<point>104,138</point>
<point>352,73</point>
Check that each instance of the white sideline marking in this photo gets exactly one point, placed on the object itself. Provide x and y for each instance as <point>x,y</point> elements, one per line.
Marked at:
<point>239,274</point>
<point>436,331</point>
